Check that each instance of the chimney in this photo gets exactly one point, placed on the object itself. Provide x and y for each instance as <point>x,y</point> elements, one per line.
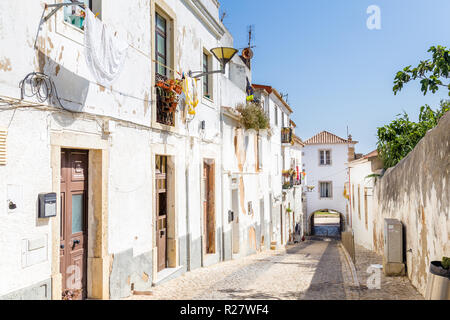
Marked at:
<point>351,149</point>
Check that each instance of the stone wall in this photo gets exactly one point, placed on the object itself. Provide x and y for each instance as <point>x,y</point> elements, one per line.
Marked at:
<point>416,192</point>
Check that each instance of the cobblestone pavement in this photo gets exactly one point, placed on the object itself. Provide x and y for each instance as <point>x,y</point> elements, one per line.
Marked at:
<point>392,288</point>
<point>312,270</point>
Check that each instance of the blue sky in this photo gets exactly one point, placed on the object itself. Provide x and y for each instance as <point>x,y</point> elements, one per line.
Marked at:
<point>337,72</point>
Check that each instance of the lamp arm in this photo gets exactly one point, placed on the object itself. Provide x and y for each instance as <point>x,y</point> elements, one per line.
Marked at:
<point>202,74</point>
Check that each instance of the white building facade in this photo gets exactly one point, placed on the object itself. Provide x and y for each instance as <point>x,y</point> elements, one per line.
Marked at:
<point>325,158</point>
<point>139,192</point>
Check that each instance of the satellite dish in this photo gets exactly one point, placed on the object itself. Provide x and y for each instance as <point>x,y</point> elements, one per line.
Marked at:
<point>247,53</point>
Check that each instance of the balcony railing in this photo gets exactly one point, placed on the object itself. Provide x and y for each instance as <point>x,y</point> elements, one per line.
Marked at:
<point>165,113</point>
<point>286,135</point>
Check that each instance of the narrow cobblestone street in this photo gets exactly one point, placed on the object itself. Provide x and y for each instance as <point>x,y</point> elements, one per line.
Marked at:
<point>313,270</point>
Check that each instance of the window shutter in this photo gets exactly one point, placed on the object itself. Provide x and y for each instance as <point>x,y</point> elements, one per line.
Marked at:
<point>3,155</point>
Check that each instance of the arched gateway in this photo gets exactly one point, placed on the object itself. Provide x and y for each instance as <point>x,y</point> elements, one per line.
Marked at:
<point>326,222</point>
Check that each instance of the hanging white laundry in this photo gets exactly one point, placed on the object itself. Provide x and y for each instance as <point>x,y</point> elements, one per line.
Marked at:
<point>105,54</point>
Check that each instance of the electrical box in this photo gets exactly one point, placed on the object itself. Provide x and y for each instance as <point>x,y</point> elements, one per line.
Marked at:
<point>393,241</point>
<point>47,205</point>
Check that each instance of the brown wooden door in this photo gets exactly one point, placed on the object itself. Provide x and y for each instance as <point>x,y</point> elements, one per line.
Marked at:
<point>209,218</point>
<point>74,199</point>
<point>161,211</point>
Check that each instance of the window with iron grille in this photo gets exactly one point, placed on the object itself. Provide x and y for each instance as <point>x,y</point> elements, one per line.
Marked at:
<point>326,189</point>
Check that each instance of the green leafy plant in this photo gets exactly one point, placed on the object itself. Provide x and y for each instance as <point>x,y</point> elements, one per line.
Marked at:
<point>397,139</point>
<point>430,72</point>
<point>289,210</point>
<point>253,116</point>
<point>446,263</point>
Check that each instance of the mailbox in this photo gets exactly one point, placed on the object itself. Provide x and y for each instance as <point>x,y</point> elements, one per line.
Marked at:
<point>230,216</point>
<point>47,205</point>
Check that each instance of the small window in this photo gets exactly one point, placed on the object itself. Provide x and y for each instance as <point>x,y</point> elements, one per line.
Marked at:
<point>75,15</point>
<point>325,157</point>
<point>206,79</point>
<point>260,153</point>
<point>353,196</point>
<point>359,202</point>
<point>276,115</point>
<point>326,190</point>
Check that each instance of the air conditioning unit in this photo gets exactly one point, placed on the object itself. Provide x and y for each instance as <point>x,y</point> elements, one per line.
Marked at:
<point>393,247</point>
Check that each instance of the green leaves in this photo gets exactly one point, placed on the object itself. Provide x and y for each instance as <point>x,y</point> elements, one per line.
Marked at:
<point>397,139</point>
<point>253,116</point>
<point>429,71</point>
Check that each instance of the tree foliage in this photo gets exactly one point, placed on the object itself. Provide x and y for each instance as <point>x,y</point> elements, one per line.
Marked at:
<point>397,139</point>
<point>253,116</point>
<point>432,73</point>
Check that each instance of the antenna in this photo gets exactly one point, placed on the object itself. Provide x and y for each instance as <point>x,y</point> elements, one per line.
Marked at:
<point>285,97</point>
<point>224,14</point>
<point>251,31</point>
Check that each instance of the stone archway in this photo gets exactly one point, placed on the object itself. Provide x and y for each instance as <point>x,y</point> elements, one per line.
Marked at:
<point>336,224</point>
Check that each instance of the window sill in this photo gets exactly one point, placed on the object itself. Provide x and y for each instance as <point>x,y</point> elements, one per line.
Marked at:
<point>208,102</point>
<point>164,127</point>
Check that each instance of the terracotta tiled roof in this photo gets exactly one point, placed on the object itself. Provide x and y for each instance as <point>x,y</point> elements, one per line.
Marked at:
<point>298,140</point>
<point>326,137</point>
<point>374,153</point>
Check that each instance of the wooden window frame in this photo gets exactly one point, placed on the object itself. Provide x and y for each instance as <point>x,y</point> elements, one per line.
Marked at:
<point>161,8</point>
<point>163,34</point>
<point>206,80</point>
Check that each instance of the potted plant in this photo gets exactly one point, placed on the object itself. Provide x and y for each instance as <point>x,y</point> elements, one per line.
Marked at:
<point>441,268</point>
<point>438,287</point>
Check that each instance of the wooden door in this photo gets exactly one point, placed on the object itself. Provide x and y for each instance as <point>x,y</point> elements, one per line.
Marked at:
<point>209,218</point>
<point>161,211</point>
<point>74,235</point>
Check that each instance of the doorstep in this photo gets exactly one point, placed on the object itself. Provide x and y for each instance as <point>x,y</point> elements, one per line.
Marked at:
<point>167,275</point>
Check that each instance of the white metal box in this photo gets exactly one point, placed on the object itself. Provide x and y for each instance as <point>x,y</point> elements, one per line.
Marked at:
<point>393,241</point>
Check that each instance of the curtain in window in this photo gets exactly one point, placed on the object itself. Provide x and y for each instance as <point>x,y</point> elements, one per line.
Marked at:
<point>325,190</point>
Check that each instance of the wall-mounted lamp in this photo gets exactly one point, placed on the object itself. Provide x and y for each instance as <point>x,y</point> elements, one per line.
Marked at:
<point>223,54</point>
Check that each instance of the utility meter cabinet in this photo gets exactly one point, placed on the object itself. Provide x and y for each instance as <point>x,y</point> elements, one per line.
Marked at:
<point>393,248</point>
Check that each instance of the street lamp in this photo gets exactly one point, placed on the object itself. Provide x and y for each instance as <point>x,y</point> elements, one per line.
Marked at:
<point>223,54</point>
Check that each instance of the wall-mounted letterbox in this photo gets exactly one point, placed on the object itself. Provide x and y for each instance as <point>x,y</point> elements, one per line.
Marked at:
<point>47,205</point>
<point>230,216</point>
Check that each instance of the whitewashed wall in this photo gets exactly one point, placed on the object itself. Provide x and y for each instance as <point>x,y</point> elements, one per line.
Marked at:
<point>359,170</point>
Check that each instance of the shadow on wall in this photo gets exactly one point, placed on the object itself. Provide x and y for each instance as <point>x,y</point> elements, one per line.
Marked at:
<point>72,89</point>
